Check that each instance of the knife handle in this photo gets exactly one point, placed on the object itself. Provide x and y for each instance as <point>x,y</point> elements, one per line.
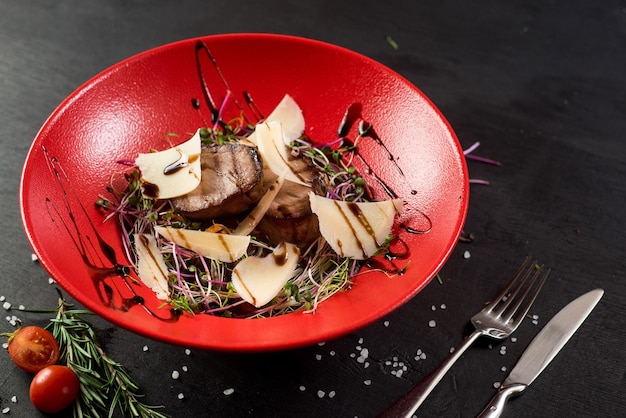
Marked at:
<point>497,404</point>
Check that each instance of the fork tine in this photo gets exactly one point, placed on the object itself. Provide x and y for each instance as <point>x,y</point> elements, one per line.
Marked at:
<point>526,282</point>
<point>521,313</point>
<point>507,290</point>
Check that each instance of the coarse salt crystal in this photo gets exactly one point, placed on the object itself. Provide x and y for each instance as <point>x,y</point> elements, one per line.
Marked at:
<point>51,280</point>
<point>331,394</point>
<point>145,348</point>
<point>466,255</point>
<point>6,305</point>
<point>386,323</point>
<point>187,351</point>
<point>14,399</point>
<point>5,345</point>
<point>332,352</point>
<point>496,385</point>
<point>228,391</point>
<point>6,410</point>
<point>318,356</point>
<point>2,298</point>
<point>175,374</point>
<point>367,382</point>
<point>321,394</point>
<point>21,307</point>
<point>432,323</point>
<point>503,368</point>
<point>367,364</point>
<point>452,349</point>
<point>361,340</point>
<point>513,339</point>
<point>433,308</point>
<point>181,396</point>
<point>443,306</point>
<point>33,257</point>
<point>184,368</point>
<point>302,388</point>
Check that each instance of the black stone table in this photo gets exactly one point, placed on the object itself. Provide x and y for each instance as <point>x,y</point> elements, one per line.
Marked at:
<point>540,84</point>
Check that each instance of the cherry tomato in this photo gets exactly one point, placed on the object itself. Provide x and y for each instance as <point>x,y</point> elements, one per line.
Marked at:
<point>54,388</point>
<point>32,348</point>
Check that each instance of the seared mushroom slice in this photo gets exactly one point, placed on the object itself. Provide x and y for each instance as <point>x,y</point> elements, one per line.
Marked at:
<point>231,182</point>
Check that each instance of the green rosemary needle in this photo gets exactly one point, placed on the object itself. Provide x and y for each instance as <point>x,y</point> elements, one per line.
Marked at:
<point>106,386</point>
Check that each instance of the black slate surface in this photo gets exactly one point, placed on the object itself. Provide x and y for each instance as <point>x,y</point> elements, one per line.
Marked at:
<point>541,85</point>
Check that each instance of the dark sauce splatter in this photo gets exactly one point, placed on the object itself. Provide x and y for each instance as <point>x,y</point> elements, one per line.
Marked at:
<point>150,190</point>
<point>253,107</point>
<point>366,130</point>
<point>393,260</point>
<point>352,115</point>
<point>182,162</point>
<point>280,256</point>
<point>347,222</point>
<point>390,192</point>
<point>111,277</point>
<point>202,50</point>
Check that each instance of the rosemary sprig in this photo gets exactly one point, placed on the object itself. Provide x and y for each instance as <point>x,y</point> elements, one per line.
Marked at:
<point>106,386</point>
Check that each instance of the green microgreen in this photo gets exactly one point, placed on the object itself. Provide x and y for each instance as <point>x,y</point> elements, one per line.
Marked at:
<point>201,285</point>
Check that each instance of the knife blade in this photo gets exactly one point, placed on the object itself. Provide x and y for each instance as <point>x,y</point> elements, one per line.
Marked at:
<point>543,348</point>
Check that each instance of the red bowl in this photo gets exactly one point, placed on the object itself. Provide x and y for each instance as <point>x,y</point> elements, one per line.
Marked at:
<point>132,106</point>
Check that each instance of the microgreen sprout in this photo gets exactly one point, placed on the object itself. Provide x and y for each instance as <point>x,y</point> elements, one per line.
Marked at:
<point>468,155</point>
<point>202,285</point>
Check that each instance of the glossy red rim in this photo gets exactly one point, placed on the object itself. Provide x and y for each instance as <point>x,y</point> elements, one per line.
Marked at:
<point>132,105</point>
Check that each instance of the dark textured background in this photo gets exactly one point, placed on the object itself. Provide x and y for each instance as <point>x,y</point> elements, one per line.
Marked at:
<point>542,86</point>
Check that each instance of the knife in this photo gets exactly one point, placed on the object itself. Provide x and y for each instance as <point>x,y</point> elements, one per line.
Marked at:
<point>543,348</point>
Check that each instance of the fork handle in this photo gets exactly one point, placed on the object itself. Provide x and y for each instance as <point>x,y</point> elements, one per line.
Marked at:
<point>495,408</point>
<point>407,405</point>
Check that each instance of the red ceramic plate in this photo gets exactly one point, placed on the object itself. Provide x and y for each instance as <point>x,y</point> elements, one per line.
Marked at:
<point>132,106</point>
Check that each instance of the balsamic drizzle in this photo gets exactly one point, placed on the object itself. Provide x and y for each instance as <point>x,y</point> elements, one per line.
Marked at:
<point>398,250</point>
<point>366,130</point>
<point>206,92</point>
<point>201,48</point>
<point>98,256</point>
<point>104,267</point>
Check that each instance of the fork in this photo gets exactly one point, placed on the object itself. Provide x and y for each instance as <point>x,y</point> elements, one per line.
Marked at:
<point>498,319</point>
